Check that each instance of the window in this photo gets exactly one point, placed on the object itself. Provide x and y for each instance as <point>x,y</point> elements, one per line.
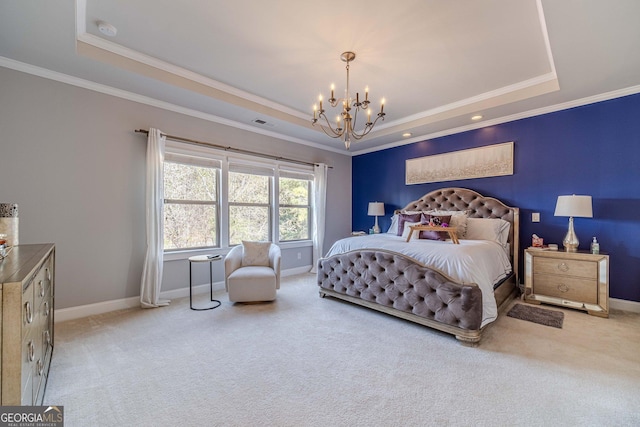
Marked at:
<point>217,201</point>
<point>191,209</point>
<point>294,201</point>
<point>249,203</point>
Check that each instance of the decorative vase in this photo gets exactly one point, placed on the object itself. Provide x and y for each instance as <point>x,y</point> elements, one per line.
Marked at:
<point>9,223</point>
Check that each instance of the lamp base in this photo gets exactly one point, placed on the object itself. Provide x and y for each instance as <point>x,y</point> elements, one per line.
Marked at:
<point>571,241</point>
<point>376,228</point>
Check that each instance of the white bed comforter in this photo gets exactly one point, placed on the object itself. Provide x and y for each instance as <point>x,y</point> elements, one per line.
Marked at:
<point>472,261</point>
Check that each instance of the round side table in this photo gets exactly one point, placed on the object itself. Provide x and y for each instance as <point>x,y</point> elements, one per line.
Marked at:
<point>203,258</point>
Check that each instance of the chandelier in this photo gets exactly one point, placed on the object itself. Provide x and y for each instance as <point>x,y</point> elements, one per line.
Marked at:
<point>345,126</point>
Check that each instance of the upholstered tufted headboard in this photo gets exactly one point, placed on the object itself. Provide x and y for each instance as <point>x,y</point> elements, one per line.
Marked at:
<point>478,206</point>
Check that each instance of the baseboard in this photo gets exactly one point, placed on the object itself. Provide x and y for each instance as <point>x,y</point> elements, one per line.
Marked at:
<point>295,271</point>
<point>71,313</point>
<point>624,305</point>
<point>80,311</point>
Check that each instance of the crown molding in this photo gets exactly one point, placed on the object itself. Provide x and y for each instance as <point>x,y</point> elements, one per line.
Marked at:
<point>141,99</point>
<point>532,87</point>
<point>103,46</point>
<point>125,52</point>
<point>108,90</point>
<point>619,93</point>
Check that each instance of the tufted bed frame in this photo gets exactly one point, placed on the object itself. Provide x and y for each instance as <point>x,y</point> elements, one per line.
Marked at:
<point>376,278</point>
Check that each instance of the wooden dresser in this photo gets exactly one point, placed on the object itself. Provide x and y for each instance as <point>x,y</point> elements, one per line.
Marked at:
<point>26,323</point>
<point>571,279</point>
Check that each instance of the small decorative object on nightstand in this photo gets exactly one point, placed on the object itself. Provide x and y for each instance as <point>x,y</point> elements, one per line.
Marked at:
<point>577,280</point>
<point>537,241</point>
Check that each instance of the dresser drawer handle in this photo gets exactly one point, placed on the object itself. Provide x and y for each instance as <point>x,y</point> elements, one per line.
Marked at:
<point>41,288</point>
<point>40,367</point>
<point>48,274</point>
<point>46,308</point>
<point>47,337</point>
<point>28,312</point>
<point>563,267</point>
<point>563,288</point>
<point>32,351</point>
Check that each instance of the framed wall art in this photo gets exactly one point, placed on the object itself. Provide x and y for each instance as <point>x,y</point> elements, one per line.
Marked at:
<point>481,162</point>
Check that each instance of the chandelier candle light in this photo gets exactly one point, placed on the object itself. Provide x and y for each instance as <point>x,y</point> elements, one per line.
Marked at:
<point>347,130</point>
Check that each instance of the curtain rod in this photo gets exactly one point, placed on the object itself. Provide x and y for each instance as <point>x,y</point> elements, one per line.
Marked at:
<point>232,149</point>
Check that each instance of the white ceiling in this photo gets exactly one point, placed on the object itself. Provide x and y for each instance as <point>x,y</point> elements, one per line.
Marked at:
<point>436,62</point>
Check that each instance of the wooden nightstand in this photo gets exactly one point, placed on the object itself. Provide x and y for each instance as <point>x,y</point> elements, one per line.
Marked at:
<point>570,279</point>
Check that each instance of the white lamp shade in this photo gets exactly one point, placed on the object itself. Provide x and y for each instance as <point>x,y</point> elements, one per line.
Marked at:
<point>376,209</point>
<point>574,206</point>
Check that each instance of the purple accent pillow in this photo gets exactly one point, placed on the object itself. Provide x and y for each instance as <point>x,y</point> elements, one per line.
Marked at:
<point>435,235</point>
<point>402,218</point>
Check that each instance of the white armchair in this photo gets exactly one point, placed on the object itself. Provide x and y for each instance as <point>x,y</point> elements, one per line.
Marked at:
<point>252,272</point>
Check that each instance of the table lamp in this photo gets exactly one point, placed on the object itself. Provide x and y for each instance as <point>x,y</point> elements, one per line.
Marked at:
<point>376,209</point>
<point>573,206</point>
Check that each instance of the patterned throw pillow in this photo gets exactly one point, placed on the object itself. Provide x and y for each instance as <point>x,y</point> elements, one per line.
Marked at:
<point>437,220</point>
<point>255,253</point>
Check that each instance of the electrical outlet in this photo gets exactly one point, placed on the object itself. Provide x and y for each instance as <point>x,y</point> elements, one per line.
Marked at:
<point>535,217</point>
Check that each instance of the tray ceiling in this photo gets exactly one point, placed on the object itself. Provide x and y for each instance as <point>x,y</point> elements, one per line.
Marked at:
<point>436,63</point>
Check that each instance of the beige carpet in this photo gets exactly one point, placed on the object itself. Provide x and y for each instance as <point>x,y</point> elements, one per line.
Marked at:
<point>307,361</point>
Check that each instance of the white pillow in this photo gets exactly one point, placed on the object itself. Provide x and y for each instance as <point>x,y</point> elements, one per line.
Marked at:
<point>393,229</point>
<point>493,229</point>
<point>458,220</point>
<point>255,253</point>
<point>407,230</point>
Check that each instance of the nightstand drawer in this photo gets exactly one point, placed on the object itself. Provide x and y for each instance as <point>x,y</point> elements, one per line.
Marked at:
<point>566,267</point>
<point>567,288</point>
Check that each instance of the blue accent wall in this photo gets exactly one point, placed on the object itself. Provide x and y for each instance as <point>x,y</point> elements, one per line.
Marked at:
<point>592,150</point>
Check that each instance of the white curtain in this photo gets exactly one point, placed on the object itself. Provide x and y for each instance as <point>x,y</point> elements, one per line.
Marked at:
<point>319,210</point>
<point>152,273</point>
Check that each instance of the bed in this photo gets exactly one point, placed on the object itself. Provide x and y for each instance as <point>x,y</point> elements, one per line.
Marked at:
<point>455,288</point>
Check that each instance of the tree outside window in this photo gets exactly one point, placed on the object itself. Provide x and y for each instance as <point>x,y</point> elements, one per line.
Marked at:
<point>294,209</point>
<point>190,205</point>
<point>249,207</point>
<point>203,194</point>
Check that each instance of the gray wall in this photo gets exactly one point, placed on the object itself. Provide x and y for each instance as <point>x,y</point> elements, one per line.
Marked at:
<point>70,159</point>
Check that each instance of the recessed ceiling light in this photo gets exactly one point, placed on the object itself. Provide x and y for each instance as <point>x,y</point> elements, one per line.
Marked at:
<point>107,29</point>
<point>476,117</point>
<point>406,134</point>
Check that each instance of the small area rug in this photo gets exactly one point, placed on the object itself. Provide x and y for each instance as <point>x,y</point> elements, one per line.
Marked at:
<point>537,315</point>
